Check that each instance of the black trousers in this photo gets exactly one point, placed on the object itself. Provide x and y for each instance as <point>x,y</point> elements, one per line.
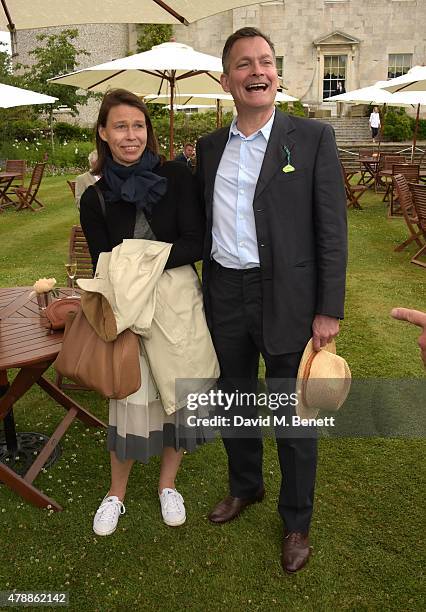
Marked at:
<point>236,314</point>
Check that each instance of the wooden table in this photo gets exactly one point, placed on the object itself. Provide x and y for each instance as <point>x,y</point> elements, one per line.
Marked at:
<point>27,344</point>
<point>6,179</point>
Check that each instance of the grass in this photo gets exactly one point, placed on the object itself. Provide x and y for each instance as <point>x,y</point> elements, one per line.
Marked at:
<point>368,523</point>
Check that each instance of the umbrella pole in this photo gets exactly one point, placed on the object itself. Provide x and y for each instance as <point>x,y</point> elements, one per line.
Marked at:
<point>416,129</point>
<point>172,116</point>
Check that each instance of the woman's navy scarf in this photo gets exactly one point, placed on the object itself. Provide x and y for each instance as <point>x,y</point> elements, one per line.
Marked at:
<point>137,184</point>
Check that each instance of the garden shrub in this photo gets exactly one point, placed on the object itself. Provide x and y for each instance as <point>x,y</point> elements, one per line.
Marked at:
<point>397,125</point>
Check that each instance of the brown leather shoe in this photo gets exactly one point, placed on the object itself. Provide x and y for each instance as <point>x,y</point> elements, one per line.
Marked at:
<point>296,551</point>
<point>230,507</point>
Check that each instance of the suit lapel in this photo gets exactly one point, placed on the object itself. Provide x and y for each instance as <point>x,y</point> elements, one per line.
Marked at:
<point>213,154</point>
<point>275,157</point>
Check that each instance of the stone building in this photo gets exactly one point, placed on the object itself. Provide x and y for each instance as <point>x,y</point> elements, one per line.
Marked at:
<point>323,46</point>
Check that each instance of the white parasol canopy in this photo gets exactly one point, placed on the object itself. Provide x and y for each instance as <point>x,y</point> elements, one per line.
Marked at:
<point>161,68</point>
<point>376,94</point>
<point>220,98</point>
<point>15,96</point>
<point>25,14</point>
<point>414,80</point>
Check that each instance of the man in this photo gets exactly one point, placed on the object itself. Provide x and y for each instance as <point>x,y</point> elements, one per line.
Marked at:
<point>417,318</point>
<point>273,270</point>
<point>187,155</point>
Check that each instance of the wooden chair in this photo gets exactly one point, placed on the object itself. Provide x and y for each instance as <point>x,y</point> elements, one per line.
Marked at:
<point>353,192</point>
<point>411,173</point>
<point>71,185</point>
<point>27,195</point>
<point>418,192</point>
<point>79,251</point>
<point>385,164</point>
<point>17,166</point>
<point>409,212</point>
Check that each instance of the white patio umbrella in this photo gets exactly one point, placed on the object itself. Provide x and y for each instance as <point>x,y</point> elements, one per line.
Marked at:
<point>376,94</point>
<point>221,99</point>
<point>25,15</point>
<point>15,96</point>
<point>161,69</point>
<point>414,80</point>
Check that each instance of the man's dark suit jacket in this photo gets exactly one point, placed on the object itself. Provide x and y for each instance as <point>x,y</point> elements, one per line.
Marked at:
<point>184,160</point>
<point>301,228</point>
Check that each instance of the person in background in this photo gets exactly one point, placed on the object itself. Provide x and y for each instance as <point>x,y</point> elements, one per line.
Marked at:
<point>83,181</point>
<point>187,155</point>
<point>144,199</point>
<point>273,270</point>
<point>417,317</point>
<point>374,122</point>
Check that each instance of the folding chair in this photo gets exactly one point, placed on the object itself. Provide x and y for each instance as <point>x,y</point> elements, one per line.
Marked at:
<point>79,251</point>
<point>71,185</point>
<point>353,192</point>
<point>411,173</point>
<point>27,195</point>
<point>18,167</point>
<point>385,165</point>
<point>409,212</point>
<point>418,192</point>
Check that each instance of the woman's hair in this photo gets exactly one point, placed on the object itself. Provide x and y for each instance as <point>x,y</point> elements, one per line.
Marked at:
<point>113,98</point>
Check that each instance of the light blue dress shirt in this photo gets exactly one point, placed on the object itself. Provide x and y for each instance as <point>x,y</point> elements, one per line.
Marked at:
<point>234,240</point>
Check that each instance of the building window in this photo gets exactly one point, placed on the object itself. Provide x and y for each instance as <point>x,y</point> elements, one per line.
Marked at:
<point>279,64</point>
<point>334,75</point>
<point>399,64</point>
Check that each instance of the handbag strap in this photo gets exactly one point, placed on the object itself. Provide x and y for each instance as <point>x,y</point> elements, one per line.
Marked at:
<point>101,199</point>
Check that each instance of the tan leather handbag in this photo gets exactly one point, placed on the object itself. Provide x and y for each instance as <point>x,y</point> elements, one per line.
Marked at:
<point>110,368</point>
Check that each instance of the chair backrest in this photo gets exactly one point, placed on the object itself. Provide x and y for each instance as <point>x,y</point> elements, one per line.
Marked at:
<point>365,152</point>
<point>79,250</point>
<point>404,195</point>
<point>389,160</point>
<point>410,171</point>
<point>19,166</point>
<point>419,200</point>
<point>71,185</point>
<point>35,181</point>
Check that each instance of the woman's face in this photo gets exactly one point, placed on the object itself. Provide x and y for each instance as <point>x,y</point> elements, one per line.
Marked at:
<point>125,132</point>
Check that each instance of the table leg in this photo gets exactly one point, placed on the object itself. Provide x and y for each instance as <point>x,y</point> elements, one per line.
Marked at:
<point>27,490</point>
<point>84,415</point>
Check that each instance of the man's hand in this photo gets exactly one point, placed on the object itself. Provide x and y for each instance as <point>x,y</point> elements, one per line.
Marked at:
<point>417,318</point>
<point>324,329</point>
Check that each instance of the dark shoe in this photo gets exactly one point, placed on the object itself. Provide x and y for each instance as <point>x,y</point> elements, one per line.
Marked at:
<point>230,507</point>
<point>296,551</point>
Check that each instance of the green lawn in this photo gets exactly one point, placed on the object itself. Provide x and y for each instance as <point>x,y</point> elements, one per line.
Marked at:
<point>368,524</point>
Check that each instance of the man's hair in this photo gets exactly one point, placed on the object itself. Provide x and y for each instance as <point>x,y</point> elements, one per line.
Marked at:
<point>242,33</point>
<point>113,98</point>
<point>188,144</point>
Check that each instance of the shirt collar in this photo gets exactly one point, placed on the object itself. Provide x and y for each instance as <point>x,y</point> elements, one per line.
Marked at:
<point>265,129</point>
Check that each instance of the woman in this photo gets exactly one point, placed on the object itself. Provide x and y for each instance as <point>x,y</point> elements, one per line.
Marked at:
<point>143,198</point>
<point>374,122</point>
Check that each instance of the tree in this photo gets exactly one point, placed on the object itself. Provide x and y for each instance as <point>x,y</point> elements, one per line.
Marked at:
<point>57,55</point>
<point>151,34</point>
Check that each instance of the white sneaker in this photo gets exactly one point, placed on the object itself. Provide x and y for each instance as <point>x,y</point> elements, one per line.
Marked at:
<point>172,507</point>
<point>107,515</point>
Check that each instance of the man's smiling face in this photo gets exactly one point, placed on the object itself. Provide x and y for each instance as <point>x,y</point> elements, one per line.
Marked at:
<point>252,75</point>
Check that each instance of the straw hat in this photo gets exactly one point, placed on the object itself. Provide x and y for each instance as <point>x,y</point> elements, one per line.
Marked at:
<point>323,381</point>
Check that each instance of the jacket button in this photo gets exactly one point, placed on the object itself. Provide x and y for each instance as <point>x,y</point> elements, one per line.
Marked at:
<point>259,209</point>
<point>262,245</point>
